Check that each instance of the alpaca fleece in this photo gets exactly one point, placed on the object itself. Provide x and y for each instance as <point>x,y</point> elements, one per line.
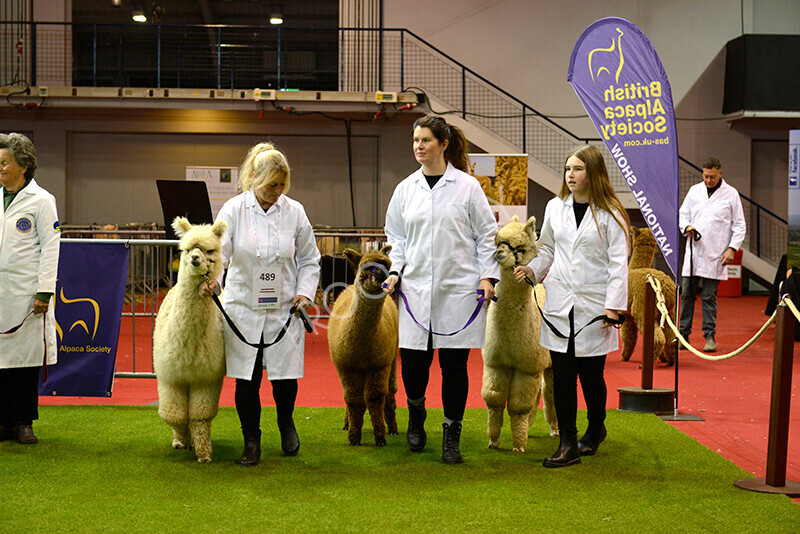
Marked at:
<point>517,371</point>
<point>363,341</point>
<point>188,347</point>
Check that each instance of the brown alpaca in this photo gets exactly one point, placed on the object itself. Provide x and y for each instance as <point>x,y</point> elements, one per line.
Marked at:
<point>642,255</point>
<point>363,340</point>
<point>517,371</point>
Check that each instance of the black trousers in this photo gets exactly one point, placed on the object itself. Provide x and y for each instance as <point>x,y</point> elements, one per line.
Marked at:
<point>567,368</point>
<point>247,398</point>
<point>19,395</point>
<point>415,368</point>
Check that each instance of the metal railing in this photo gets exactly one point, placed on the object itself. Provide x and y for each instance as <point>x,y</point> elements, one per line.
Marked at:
<point>152,271</point>
<point>344,59</point>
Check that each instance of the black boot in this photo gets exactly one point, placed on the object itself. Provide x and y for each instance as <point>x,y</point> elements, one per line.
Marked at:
<point>252,451</point>
<point>450,439</point>
<point>567,453</point>
<point>290,442</point>
<point>416,427</point>
<point>591,441</point>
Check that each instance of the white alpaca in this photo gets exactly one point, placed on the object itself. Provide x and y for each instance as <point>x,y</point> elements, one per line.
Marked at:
<point>188,348</point>
<point>516,369</point>
<point>363,339</point>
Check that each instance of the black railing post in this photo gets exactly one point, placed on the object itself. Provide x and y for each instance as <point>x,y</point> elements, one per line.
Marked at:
<point>463,92</point>
<point>158,47</point>
<point>341,59</point>
<point>121,77</point>
<point>278,57</point>
<point>33,54</point>
<point>219,58</point>
<point>758,230</point>
<point>178,66</point>
<point>524,130</point>
<point>94,54</point>
<point>402,60</point>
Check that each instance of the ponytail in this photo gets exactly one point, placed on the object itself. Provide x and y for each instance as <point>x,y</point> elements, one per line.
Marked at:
<point>456,152</point>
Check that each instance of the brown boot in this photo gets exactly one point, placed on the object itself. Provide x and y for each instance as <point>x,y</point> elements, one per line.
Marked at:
<point>251,453</point>
<point>25,435</point>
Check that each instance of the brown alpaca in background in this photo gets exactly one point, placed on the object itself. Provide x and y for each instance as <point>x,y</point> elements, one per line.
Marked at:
<point>363,341</point>
<point>643,252</point>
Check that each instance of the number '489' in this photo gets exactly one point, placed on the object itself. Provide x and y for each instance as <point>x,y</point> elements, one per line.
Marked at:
<point>268,277</point>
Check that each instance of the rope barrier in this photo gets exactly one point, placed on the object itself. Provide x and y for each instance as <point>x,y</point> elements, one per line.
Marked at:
<point>662,307</point>
<point>790,305</point>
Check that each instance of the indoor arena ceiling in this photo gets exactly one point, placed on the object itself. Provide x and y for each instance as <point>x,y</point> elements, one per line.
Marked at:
<point>296,13</point>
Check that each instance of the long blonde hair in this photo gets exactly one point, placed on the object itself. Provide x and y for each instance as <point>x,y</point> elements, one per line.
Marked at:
<point>263,165</point>
<point>601,193</point>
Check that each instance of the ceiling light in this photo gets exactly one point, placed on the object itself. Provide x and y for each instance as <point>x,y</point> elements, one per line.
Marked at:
<point>116,3</point>
<point>138,16</point>
<point>276,16</point>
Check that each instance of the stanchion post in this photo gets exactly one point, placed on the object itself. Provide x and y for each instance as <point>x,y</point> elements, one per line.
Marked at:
<point>777,446</point>
<point>780,402</point>
<point>648,336</point>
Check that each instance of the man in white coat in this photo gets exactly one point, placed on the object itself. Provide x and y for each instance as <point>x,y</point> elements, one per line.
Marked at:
<point>712,219</point>
<point>29,247</point>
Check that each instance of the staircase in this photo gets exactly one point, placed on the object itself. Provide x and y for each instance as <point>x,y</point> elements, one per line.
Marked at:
<point>501,123</point>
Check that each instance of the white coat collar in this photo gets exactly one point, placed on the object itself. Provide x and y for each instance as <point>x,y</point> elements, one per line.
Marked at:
<point>448,176</point>
<point>569,203</point>
<point>252,203</point>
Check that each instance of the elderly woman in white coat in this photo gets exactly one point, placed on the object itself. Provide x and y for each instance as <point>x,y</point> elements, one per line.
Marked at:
<point>442,230</point>
<point>583,260</point>
<point>29,246</point>
<point>713,210</point>
<point>272,265</point>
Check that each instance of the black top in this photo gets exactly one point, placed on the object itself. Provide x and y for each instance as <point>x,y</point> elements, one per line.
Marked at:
<point>580,211</point>
<point>712,189</point>
<point>432,180</point>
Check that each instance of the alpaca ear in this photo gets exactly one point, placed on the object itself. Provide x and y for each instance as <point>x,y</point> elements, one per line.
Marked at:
<point>220,227</point>
<point>515,218</point>
<point>634,232</point>
<point>386,249</point>
<point>181,226</point>
<point>530,227</point>
<point>353,257</point>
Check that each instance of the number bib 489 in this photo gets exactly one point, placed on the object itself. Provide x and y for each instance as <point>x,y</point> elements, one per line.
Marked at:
<point>266,287</point>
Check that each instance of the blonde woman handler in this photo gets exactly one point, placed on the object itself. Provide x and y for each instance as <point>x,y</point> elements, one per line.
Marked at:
<point>583,252</point>
<point>269,250</point>
<point>442,234</point>
<point>29,247</point>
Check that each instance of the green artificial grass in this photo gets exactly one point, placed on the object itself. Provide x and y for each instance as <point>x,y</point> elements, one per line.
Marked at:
<point>112,469</point>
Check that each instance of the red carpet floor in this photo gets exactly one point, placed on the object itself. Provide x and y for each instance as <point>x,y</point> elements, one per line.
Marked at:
<point>731,396</point>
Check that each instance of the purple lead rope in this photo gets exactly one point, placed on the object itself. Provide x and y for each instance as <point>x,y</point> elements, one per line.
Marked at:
<point>481,300</point>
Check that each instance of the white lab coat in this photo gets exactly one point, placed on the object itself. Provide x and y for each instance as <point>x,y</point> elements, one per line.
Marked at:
<point>720,221</point>
<point>29,247</point>
<point>586,270</point>
<point>299,258</point>
<point>443,245</point>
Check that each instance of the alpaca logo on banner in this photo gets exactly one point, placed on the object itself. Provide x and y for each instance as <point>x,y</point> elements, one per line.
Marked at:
<point>622,85</point>
<point>614,52</point>
<point>80,322</point>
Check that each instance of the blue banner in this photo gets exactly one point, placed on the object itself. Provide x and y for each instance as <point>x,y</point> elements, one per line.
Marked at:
<point>621,83</point>
<point>88,302</point>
